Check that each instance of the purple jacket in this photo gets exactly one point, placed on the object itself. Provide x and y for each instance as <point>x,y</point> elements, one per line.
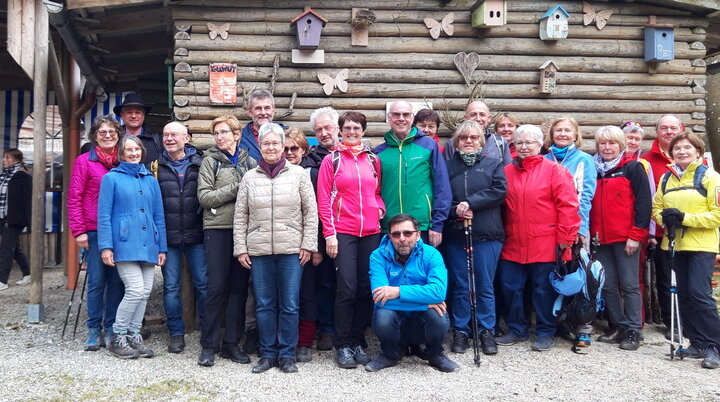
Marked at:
<point>83,192</point>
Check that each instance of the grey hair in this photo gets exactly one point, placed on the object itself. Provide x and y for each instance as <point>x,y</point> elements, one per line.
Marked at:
<point>327,110</point>
<point>260,94</point>
<point>469,126</point>
<point>271,128</point>
<point>133,138</point>
<point>530,129</point>
<point>634,129</point>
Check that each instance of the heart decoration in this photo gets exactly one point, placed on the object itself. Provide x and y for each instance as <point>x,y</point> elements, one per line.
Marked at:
<point>466,63</point>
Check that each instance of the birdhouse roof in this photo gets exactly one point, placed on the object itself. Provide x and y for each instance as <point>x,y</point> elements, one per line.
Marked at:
<point>547,64</point>
<point>306,12</point>
<point>552,10</point>
<point>477,4</point>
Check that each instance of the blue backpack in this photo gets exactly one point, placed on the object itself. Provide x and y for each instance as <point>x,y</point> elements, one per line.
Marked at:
<point>579,283</point>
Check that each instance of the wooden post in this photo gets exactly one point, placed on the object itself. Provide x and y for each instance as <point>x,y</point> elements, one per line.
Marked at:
<point>36,308</point>
<point>713,117</point>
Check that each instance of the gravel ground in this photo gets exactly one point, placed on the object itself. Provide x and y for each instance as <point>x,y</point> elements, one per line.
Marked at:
<point>37,365</point>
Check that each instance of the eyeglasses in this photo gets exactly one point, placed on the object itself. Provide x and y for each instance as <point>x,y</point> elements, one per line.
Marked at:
<point>351,129</point>
<point>397,115</point>
<point>222,133</point>
<point>106,133</point>
<point>292,149</point>
<point>404,233</point>
<point>528,144</point>
<point>275,144</point>
<point>172,135</point>
<point>473,138</point>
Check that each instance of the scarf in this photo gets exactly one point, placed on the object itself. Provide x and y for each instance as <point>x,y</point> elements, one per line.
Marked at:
<point>5,178</point>
<point>355,150</point>
<point>109,160</point>
<point>469,158</point>
<point>272,169</point>
<point>233,158</point>
<point>603,167</point>
<point>678,169</point>
<point>560,153</point>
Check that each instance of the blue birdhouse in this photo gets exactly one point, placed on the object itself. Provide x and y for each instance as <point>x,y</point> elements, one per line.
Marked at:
<point>309,26</point>
<point>554,24</point>
<point>659,43</point>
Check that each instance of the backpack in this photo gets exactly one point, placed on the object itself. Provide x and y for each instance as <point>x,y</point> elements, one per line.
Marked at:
<point>372,159</point>
<point>697,182</point>
<point>575,307</point>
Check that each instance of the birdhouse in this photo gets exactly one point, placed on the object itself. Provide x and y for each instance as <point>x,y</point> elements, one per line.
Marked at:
<point>308,26</point>
<point>548,77</point>
<point>489,13</point>
<point>554,24</point>
<point>659,43</point>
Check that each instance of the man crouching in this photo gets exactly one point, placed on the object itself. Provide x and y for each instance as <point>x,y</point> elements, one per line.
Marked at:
<point>409,283</point>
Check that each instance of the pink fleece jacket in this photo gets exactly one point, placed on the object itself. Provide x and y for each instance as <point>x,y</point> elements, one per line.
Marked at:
<point>83,192</point>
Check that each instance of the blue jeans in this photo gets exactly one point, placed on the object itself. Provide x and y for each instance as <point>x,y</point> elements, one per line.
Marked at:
<point>486,255</point>
<point>394,328</point>
<point>105,290</point>
<point>276,283</point>
<point>138,279</point>
<point>513,277</point>
<point>172,270</point>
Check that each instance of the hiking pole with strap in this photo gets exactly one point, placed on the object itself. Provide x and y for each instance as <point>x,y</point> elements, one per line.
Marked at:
<point>72,296</point>
<point>467,224</point>
<point>82,293</point>
<point>674,305</point>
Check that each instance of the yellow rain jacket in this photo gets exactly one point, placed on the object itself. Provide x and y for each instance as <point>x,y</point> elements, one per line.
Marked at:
<point>700,225</point>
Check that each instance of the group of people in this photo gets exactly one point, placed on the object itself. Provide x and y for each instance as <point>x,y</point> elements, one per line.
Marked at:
<point>290,242</point>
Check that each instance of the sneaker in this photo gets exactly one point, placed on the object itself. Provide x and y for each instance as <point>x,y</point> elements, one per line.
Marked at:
<point>207,358</point>
<point>176,344</point>
<point>264,365</point>
<point>93,340</point>
<point>487,343</point>
<point>615,335</point>
<point>252,340</point>
<point>460,342</point>
<point>24,281</point>
<point>692,352</point>
<point>543,343</point>
<point>442,363</point>
<point>325,342</point>
<point>360,356</point>
<point>582,340</point>
<point>345,358</point>
<point>137,343</point>
<point>232,351</point>
<point>712,359</point>
<point>304,354</point>
<point>288,366</point>
<point>631,340</point>
<point>120,348</point>
<point>379,363</point>
<point>3,286</point>
<point>510,339</point>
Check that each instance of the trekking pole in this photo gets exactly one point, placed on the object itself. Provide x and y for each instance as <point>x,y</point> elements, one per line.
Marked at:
<point>467,224</point>
<point>72,296</point>
<point>82,293</point>
<point>674,305</point>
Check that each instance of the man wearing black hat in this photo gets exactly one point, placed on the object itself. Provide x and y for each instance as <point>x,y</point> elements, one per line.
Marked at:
<point>133,111</point>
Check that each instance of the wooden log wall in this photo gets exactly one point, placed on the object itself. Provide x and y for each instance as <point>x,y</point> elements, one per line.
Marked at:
<point>602,80</point>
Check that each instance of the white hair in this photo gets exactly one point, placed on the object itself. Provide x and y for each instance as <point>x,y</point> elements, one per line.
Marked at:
<point>327,110</point>
<point>530,129</point>
<point>271,128</point>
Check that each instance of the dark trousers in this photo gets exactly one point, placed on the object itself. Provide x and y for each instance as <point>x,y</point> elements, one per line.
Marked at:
<point>662,282</point>
<point>513,277</point>
<point>10,250</point>
<point>698,309</point>
<point>353,302</point>
<point>227,290</point>
<point>394,328</point>
<point>325,296</point>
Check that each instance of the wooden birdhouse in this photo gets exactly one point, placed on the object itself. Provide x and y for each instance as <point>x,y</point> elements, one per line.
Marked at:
<point>659,43</point>
<point>489,13</point>
<point>548,77</point>
<point>554,24</point>
<point>308,26</point>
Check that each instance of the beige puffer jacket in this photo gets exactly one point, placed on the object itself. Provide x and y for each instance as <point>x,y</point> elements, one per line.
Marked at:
<point>275,216</point>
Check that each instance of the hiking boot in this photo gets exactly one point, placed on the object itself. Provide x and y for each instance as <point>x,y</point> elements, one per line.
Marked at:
<point>419,351</point>
<point>325,342</point>
<point>137,343</point>
<point>615,335</point>
<point>631,340</point>
<point>252,340</point>
<point>360,356</point>
<point>692,352</point>
<point>120,348</point>
<point>207,358</point>
<point>712,358</point>
<point>510,339</point>
<point>304,354</point>
<point>487,343</point>
<point>460,342</point>
<point>345,358</point>
<point>264,365</point>
<point>677,334</point>
<point>107,335</point>
<point>543,343</point>
<point>93,340</point>
<point>24,281</point>
<point>582,340</point>
<point>379,363</point>
<point>3,286</point>
<point>288,366</point>
<point>442,363</point>
<point>232,351</point>
<point>176,344</point>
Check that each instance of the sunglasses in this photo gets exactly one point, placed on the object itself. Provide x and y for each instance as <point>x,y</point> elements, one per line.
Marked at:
<point>404,233</point>
<point>292,149</point>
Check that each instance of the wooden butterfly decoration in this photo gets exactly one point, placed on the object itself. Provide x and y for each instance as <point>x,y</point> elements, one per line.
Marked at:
<point>339,81</point>
<point>444,25</point>
<point>600,17</point>
<point>218,30</point>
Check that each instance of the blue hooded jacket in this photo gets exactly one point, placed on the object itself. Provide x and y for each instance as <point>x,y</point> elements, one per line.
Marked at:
<point>422,280</point>
<point>247,141</point>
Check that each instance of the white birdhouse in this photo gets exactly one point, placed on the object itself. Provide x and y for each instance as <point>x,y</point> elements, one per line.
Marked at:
<point>554,24</point>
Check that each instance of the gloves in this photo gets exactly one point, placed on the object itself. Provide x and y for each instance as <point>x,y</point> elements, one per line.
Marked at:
<point>672,218</point>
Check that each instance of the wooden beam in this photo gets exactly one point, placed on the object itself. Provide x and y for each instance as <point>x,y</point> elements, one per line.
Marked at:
<point>75,4</point>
